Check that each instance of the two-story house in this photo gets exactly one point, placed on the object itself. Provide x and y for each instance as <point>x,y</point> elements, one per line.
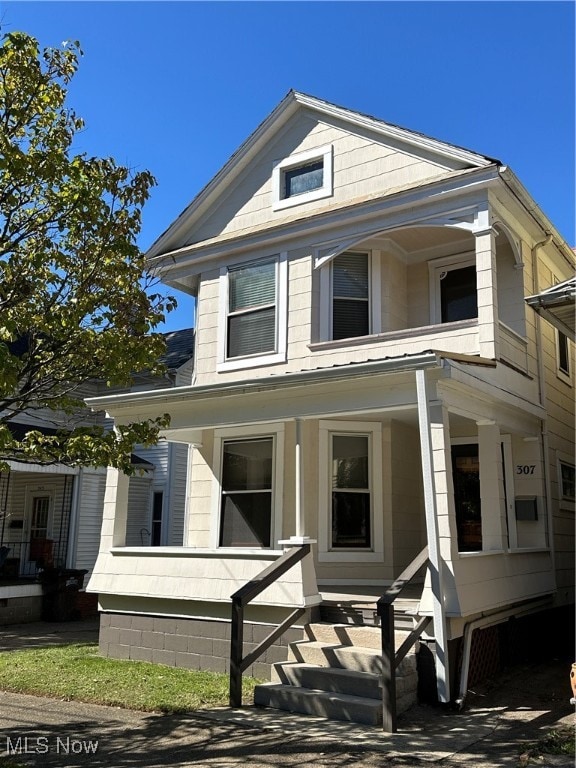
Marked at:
<point>369,381</point>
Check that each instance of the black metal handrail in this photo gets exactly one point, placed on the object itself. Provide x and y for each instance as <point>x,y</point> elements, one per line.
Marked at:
<point>240,599</point>
<point>390,657</point>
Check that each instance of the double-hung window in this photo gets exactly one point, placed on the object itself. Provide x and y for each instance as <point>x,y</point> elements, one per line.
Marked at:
<point>351,502</point>
<point>246,496</point>
<point>350,295</point>
<point>350,499</point>
<point>253,313</point>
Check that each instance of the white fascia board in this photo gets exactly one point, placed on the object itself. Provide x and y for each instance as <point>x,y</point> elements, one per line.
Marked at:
<point>112,403</point>
<point>234,164</point>
<point>530,205</point>
<point>395,132</point>
<point>399,208</point>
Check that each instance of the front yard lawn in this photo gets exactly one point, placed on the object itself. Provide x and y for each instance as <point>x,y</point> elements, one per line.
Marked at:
<point>77,672</point>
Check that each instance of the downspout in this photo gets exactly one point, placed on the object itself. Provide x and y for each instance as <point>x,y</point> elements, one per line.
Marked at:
<point>480,623</point>
<point>542,398</point>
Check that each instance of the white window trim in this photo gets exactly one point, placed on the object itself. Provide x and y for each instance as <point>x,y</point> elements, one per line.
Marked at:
<point>374,432</point>
<point>276,432</point>
<point>254,361</point>
<point>565,376</point>
<point>436,267</point>
<point>323,153</point>
<point>374,296</point>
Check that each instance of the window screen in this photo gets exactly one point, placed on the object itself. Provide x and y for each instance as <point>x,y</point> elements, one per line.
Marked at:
<point>305,178</point>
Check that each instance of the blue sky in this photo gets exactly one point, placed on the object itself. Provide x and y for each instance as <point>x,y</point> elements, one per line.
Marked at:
<point>176,87</point>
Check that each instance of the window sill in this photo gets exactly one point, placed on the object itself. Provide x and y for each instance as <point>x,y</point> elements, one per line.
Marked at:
<point>424,330</point>
<point>251,554</point>
<point>250,362</point>
<point>351,556</point>
<point>481,553</point>
<point>528,550</point>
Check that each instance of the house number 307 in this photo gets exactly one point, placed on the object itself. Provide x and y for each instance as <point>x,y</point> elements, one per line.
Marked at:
<point>525,469</point>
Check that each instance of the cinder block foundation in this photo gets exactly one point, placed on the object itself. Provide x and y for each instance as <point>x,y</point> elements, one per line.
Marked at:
<point>20,610</point>
<point>188,642</point>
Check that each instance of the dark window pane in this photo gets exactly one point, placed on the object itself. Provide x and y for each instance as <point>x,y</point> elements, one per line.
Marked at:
<point>253,285</point>
<point>349,319</point>
<point>568,481</point>
<point>563,357</point>
<point>245,520</point>
<point>350,520</point>
<point>157,506</point>
<point>350,461</point>
<point>252,333</point>
<point>306,178</point>
<point>466,476</point>
<point>458,297</point>
<point>247,465</point>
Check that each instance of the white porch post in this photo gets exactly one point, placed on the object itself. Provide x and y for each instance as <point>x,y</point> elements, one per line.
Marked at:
<point>298,491</point>
<point>488,329</point>
<point>431,443</point>
<point>492,497</point>
<point>115,513</point>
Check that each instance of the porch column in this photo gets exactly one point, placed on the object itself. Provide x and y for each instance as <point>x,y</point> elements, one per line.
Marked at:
<point>488,331</point>
<point>492,499</point>
<point>115,512</point>
<point>434,467</point>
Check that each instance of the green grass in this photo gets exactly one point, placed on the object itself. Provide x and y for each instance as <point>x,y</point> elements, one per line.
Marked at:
<point>559,741</point>
<point>77,672</point>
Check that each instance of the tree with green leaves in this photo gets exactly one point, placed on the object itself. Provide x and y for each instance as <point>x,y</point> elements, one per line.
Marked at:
<point>76,301</point>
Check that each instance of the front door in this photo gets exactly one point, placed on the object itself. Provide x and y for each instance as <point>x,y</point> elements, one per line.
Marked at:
<point>40,545</point>
<point>466,474</point>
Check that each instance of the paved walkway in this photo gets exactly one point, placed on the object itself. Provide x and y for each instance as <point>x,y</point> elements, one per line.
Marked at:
<point>494,731</point>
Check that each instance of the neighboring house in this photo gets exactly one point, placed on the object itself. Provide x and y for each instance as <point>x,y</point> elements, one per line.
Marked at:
<point>51,515</point>
<point>369,380</point>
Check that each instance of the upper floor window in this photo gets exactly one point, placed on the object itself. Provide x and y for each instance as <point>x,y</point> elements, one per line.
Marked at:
<point>453,289</point>
<point>302,177</point>
<point>563,353</point>
<point>350,296</point>
<point>251,309</point>
<point>568,480</point>
<point>253,313</point>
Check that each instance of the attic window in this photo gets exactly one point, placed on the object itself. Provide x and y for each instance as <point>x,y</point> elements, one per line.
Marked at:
<point>302,178</point>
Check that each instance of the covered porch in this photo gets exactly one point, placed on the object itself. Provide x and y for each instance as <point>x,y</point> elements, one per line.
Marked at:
<point>365,464</point>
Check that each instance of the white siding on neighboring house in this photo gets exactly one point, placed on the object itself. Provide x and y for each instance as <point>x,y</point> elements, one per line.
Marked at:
<point>89,521</point>
<point>138,523</point>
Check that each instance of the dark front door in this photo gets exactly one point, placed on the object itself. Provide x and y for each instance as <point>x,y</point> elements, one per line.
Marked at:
<point>466,475</point>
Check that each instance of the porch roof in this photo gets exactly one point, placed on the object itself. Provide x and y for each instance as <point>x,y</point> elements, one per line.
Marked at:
<point>354,388</point>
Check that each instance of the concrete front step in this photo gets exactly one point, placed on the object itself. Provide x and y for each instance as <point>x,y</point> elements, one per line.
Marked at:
<point>328,679</point>
<point>356,658</point>
<point>334,706</point>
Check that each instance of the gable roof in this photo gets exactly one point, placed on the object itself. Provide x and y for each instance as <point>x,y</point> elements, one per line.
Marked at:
<point>179,348</point>
<point>292,103</point>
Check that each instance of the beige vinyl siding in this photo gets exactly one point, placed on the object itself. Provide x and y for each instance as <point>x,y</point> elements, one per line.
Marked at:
<point>560,396</point>
<point>363,165</point>
<point>199,493</point>
<point>89,522</point>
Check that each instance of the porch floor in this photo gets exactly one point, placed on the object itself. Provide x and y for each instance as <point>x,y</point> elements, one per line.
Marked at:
<point>357,604</point>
